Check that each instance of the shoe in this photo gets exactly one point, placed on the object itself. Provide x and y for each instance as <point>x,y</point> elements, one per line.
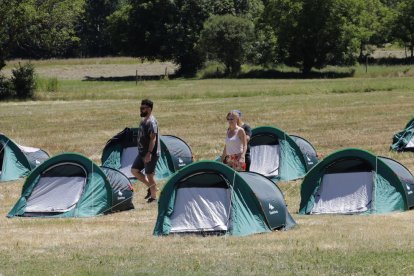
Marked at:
<point>148,194</point>
<point>150,200</point>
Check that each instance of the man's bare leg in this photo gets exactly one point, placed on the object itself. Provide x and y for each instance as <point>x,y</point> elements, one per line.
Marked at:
<point>152,185</point>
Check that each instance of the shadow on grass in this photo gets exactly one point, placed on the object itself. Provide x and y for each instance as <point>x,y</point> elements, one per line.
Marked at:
<point>275,74</point>
<point>128,78</point>
<point>252,74</point>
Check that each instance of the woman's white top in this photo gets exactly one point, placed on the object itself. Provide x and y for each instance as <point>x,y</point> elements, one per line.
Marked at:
<point>234,144</point>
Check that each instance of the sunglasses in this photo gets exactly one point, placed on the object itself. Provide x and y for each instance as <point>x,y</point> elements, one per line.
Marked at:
<point>230,119</point>
<point>143,107</point>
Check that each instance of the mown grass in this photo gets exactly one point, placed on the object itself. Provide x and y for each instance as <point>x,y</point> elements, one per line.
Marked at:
<point>331,113</point>
<point>219,88</point>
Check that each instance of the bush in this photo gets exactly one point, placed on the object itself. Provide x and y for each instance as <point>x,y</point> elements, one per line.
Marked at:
<point>5,88</point>
<point>23,81</point>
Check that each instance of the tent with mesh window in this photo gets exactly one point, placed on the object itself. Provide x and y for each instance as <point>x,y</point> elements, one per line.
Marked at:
<point>354,181</point>
<point>404,140</point>
<point>210,198</point>
<point>121,150</point>
<point>71,185</point>
<point>17,161</point>
<point>280,156</point>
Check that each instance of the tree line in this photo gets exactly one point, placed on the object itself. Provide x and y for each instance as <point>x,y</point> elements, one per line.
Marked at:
<point>305,34</point>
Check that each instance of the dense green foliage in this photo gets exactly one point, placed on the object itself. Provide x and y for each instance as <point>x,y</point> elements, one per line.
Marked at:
<point>404,24</point>
<point>302,33</point>
<point>228,38</point>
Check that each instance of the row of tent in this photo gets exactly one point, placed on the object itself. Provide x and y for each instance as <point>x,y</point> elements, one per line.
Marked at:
<point>208,197</point>
<point>274,154</point>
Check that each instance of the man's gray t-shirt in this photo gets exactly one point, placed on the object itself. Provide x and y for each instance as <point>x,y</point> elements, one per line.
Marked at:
<point>145,129</point>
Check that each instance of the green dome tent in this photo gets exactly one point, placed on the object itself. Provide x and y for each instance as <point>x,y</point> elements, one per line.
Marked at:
<point>71,185</point>
<point>208,197</point>
<point>354,181</point>
<point>404,140</point>
<point>17,161</point>
<point>279,156</point>
<point>121,150</point>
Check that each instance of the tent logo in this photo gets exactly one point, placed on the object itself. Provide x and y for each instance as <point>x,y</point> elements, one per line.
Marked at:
<point>180,162</point>
<point>120,195</point>
<point>271,207</point>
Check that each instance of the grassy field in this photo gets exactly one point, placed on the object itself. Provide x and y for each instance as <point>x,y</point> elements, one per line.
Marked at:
<point>363,112</point>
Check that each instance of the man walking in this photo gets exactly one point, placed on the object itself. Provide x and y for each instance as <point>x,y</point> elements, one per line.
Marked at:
<point>148,150</point>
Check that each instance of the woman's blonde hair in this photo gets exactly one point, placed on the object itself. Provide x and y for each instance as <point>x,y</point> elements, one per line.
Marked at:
<point>236,115</point>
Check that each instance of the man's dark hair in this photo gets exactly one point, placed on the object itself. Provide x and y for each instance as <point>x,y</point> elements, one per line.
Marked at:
<point>147,103</point>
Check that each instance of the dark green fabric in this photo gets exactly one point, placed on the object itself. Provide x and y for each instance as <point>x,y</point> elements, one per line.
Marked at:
<point>95,199</point>
<point>111,156</point>
<point>388,192</point>
<point>402,138</point>
<point>15,163</point>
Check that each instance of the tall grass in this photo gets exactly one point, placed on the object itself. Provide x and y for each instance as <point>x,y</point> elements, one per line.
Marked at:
<point>332,114</point>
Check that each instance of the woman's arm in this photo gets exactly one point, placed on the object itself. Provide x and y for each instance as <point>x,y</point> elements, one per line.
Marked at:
<point>243,138</point>
<point>223,155</point>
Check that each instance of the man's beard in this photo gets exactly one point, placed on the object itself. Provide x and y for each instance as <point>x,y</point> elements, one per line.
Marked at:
<point>144,114</point>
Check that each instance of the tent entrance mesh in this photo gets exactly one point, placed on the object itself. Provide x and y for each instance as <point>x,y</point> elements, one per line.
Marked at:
<point>127,159</point>
<point>58,190</point>
<point>202,205</point>
<point>344,193</point>
<point>265,155</point>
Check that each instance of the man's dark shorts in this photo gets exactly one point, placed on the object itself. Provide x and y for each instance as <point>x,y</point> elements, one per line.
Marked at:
<point>149,167</point>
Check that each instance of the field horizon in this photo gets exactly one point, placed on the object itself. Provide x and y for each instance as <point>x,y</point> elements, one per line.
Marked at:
<point>333,114</point>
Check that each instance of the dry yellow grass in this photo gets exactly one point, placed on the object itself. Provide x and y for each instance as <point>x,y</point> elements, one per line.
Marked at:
<point>122,243</point>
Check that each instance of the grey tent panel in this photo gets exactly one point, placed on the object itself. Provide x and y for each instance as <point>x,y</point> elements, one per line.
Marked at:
<point>36,158</point>
<point>180,152</point>
<point>344,193</point>
<point>405,176</point>
<point>201,210</point>
<point>55,194</point>
<point>122,189</point>
<point>308,151</point>
<point>272,200</point>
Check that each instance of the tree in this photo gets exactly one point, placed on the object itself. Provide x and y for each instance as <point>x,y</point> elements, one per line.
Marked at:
<point>94,34</point>
<point>163,29</point>
<point>229,39</point>
<point>404,24</point>
<point>48,29</point>
<point>12,15</point>
<point>170,29</point>
<point>314,33</point>
<point>373,21</point>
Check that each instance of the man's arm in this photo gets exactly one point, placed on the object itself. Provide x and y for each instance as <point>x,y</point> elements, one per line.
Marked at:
<point>153,140</point>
